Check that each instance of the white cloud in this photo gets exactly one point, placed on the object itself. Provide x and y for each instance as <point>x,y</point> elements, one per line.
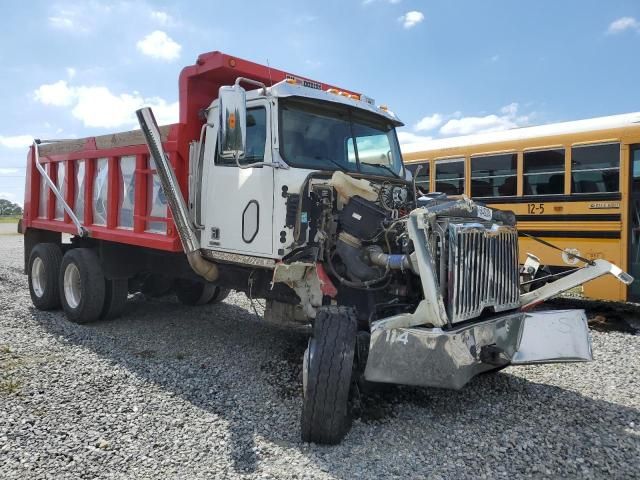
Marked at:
<point>508,118</point>
<point>622,24</point>
<point>58,94</point>
<point>82,17</point>
<point>511,109</point>
<point>97,106</point>
<point>159,45</point>
<point>71,72</point>
<point>9,196</point>
<point>469,125</point>
<point>393,2</point>
<point>17,141</point>
<point>411,19</point>
<point>313,64</point>
<point>412,142</point>
<point>428,123</point>
<point>8,171</point>
<point>76,17</point>
<point>163,18</point>
<point>62,23</point>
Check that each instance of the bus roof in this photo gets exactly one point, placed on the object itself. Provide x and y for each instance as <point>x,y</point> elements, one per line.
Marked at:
<point>524,133</point>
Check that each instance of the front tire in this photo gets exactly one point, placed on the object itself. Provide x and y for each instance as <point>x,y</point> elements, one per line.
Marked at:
<point>82,285</point>
<point>43,272</point>
<point>327,373</point>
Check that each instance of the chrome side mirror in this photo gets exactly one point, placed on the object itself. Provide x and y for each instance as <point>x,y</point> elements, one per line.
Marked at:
<point>233,121</point>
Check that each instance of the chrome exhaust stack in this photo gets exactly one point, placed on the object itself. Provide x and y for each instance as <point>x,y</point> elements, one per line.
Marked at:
<point>186,230</point>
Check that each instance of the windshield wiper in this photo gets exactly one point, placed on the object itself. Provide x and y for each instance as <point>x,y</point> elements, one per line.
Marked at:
<point>379,165</point>
<point>339,165</point>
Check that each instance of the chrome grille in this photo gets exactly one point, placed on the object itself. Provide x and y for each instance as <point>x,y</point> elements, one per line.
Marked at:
<point>483,269</point>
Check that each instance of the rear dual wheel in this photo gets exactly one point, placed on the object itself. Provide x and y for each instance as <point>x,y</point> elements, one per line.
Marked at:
<point>43,270</point>
<point>86,295</point>
<point>193,292</point>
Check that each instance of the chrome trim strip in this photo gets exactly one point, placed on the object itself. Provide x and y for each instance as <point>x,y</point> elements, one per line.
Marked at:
<point>261,262</point>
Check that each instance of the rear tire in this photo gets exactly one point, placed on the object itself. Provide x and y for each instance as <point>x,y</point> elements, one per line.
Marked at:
<point>155,286</point>
<point>219,295</point>
<point>327,374</point>
<point>193,292</point>
<point>82,285</point>
<point>115,298</point>
<point>43,274</point>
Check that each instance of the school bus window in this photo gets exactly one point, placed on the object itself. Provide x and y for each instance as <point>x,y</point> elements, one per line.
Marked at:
<point>595,168</point>
<point>494,175</point>
<point>422,180</point>
<point>544,172</point>
<point>450,176</point>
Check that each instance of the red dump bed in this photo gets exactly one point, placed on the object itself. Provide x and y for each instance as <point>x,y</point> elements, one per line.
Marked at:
<point>110,182</point>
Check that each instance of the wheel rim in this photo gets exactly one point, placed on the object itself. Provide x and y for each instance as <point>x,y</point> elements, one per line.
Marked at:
<point>72,287</point>
<point>306,365</point>
<point>38,277</point>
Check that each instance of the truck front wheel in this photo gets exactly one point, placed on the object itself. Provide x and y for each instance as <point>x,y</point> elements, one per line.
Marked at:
<point>82,285</point>
<point>44,269</point>
<point>327,374</point>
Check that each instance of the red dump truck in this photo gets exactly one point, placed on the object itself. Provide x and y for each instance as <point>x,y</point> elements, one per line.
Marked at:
<point>294,191</point>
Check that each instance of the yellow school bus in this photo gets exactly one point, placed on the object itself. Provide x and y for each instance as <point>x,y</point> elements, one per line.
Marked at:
<point>573,184</point>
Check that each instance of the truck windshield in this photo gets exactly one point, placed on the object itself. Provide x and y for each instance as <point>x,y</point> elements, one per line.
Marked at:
<point>321,136</point>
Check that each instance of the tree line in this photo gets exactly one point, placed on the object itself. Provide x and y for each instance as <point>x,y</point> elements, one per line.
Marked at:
<point>8,208</point>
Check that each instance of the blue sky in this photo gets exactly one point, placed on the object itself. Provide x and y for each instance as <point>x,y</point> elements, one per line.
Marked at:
<point>73,69</point>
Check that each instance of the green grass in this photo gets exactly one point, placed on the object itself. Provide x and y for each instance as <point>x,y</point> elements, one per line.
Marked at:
<point>10,219</point>
<point>10,386</point>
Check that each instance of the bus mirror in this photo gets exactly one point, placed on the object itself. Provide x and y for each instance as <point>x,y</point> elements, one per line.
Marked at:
<point>233,121</point>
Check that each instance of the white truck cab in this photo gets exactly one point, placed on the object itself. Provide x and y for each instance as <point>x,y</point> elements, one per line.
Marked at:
<point>292,131</point>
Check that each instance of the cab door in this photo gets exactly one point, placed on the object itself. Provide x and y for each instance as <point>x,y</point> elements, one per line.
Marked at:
<point>237,203</point>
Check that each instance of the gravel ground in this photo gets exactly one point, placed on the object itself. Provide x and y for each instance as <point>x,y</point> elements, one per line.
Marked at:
<point>168,391</point>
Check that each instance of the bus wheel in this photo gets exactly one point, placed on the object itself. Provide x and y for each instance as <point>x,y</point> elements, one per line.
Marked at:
<point>82,285</point>
<point>194,292</point>
<point>115,298</point>
<point>44,269</point>
<point>327,372</point>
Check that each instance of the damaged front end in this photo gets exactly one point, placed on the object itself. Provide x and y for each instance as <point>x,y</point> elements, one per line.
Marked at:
<point>435,357</point>
<point>473,317</point>
<point>435,282</point>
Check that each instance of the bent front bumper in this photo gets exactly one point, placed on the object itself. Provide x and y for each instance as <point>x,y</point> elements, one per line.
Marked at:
<point>450,358</point>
